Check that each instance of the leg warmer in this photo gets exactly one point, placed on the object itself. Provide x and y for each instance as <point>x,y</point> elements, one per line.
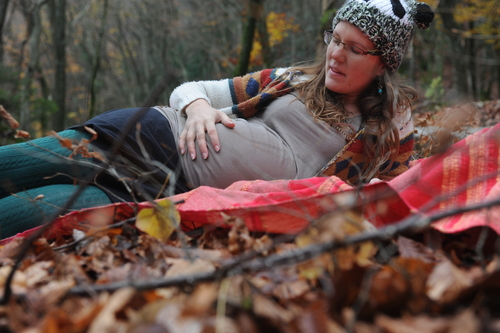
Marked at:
<point>40,162</point>
<point>20,212</point>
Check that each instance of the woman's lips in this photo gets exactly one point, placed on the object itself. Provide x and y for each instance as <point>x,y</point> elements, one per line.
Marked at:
<point>335,71</point>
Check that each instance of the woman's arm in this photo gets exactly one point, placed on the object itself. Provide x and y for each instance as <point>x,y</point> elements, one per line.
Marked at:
<point>239,95</point>
<point>217,94</point>
<point>206,103</point>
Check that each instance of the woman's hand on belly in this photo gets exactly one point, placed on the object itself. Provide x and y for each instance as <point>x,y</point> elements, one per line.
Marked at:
<point>201,118</point>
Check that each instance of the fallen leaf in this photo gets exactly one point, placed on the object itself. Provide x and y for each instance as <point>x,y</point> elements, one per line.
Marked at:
<point>18,284</point>
<point>98,246</point>
<point>56,320</point>
<point>400,285</point>
<point>38,273</point>
<point>266,307</point>
<point>10,251</point>
<point>239,239</point>
<point>447,281</point>
<point>159,221</point>
<point>13,123</point>
<point>201,300</point>
<point>314,319</point>
<point>65,142</point>
<point>20,134</point>
<point>54,291</point>
<point>408,248</point>
<point>115,274</point>
<point>169,316</point>
<point>106,319</point>
<point>336,226</point>
<point>291,290</point>
<point>185,267</point>
<point>466,321</point>
<point>91,131</point>
<point>417,324</point>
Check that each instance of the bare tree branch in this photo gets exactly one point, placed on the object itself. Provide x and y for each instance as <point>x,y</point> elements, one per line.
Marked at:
<point>412,224</point>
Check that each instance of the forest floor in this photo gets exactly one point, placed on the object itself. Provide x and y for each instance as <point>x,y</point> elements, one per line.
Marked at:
<point>121,279</point>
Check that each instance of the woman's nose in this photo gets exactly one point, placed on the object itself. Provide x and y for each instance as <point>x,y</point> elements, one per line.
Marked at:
<point>337,52</point>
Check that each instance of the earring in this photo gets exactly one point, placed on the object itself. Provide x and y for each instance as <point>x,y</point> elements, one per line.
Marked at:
<point>380,88</point>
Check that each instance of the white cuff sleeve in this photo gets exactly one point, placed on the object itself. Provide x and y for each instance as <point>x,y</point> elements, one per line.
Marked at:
<point>216,93</point>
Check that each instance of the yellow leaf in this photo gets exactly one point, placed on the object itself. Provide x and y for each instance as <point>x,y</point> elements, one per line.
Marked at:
<point>159,221</point>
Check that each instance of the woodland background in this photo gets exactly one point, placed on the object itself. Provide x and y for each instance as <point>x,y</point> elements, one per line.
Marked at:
<point>62,62</point>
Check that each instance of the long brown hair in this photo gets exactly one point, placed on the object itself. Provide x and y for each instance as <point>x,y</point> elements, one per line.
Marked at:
<point>381,138</point>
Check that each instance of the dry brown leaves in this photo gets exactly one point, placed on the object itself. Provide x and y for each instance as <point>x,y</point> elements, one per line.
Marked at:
<point>427,283</point>
<point>79,147</point>
<point>438,130</point>
<point>12,125</point>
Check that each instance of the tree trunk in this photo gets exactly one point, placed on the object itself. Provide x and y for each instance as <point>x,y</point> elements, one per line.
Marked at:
<point>97,61</point>
<point>267,55</point>
<point>459,65</point>
<point>473,67</point>
<point>3,14</point>
<point>18,88</point>
<point>496,52</point>
<point>58,12</point>
<point>44,86</point>
<point>34,18</point>
<point>254,13</point>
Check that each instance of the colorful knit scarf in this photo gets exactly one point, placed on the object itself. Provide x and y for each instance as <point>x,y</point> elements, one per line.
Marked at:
<point>253,92</point>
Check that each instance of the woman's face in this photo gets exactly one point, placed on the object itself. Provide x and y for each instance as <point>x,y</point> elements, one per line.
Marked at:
<point>349,72</point>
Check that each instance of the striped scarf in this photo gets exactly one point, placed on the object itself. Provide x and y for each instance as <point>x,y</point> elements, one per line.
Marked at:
<point>253,92</point>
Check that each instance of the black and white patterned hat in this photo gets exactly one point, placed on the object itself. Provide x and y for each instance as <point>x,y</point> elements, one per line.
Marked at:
<point>388,24</point>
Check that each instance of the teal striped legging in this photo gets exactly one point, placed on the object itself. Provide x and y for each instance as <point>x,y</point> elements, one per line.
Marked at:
<point>39,169</point>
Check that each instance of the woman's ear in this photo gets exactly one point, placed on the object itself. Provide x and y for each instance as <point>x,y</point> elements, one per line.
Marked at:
<point>381,70</point>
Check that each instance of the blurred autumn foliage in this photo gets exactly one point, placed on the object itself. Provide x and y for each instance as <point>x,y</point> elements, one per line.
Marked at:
<point>64,61</point>
<point>279,26</point>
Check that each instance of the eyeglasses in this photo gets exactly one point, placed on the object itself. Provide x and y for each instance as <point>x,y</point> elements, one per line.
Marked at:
<point>352,49</point>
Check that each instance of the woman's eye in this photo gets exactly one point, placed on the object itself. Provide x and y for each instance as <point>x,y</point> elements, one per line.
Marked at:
<point>356,50</point>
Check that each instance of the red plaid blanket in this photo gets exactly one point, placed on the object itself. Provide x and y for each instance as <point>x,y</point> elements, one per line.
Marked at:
<point>467,173</point>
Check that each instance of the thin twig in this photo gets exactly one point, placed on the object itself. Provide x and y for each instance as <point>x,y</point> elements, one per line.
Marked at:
<point>413,223</point>
<point>96,232</point>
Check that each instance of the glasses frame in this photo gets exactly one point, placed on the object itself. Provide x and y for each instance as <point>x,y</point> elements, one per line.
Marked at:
<point>328,37</point>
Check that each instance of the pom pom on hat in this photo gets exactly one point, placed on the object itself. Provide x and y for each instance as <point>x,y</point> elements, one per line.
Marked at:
<point>387,23</point>
<point>423,16</point>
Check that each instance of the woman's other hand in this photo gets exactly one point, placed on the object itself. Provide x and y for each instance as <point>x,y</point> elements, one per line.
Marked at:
<point>201,118</point>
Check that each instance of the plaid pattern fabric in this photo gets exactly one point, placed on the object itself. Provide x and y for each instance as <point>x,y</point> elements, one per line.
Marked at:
<point>349,162</point>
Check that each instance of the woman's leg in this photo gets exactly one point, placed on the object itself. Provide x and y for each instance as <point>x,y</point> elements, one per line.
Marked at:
<point>150,172</point>
<point>28,209</point>
<point>41,162</point>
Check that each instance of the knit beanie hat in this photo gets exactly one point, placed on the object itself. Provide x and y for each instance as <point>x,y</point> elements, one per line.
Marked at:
<point>387,23</point>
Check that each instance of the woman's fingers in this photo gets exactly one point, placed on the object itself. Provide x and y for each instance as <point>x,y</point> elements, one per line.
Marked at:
<point>202,119</point>
<point>224,119</point>
<point>189,140</point>
<point>182,139</point>
<point>202,142</point>
<point>214,137</point>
